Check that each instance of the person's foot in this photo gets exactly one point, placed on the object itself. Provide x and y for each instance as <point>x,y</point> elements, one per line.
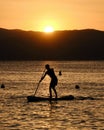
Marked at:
<point>56,98</point>
<point>50,97</point>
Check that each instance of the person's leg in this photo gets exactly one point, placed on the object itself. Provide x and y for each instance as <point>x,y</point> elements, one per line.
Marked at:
<point>50,92</point>
<point>55,92</point>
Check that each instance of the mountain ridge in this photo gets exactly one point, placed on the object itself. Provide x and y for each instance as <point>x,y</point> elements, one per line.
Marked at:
<point>86,44</point>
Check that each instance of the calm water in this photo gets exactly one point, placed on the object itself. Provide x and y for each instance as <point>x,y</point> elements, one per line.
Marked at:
<point>21,79</point>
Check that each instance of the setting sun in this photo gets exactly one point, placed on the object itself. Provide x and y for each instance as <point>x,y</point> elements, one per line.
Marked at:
<point>48,29</point>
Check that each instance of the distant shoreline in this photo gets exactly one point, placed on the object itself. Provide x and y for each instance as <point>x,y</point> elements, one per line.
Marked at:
<point>51,60</point>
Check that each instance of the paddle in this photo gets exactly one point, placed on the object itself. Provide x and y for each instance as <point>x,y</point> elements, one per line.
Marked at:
<point>36,89</point>
<point>39,83</point>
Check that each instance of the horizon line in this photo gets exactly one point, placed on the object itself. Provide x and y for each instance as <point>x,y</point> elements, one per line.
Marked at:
<point>18,29</point>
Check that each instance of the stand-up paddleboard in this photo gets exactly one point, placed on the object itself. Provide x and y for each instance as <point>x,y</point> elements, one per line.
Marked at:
<point>37,99</point>
<point>67,98</point>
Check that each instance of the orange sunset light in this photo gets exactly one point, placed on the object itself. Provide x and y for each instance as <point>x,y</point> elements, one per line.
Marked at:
<point>60,15</point>
<point>48,29</point>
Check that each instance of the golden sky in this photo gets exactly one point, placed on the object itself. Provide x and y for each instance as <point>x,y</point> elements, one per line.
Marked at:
<point>60,14</point>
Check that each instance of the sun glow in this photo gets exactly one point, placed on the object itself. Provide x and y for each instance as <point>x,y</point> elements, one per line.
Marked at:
<point>48,29</point>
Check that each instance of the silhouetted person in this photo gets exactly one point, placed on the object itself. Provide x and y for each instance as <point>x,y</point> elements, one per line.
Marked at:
<point>54,80</point>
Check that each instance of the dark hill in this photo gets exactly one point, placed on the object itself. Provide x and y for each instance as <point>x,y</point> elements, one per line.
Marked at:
<point>85,44</point>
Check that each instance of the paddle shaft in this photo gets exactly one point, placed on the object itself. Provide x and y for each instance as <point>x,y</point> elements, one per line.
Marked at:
<point>36,89</point>
<point>38,83</point>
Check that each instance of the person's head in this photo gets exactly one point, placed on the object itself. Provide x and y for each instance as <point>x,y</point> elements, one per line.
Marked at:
<point>47,66</point>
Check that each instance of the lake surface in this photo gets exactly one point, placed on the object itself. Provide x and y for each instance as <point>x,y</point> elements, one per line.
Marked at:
<point>21,78</point>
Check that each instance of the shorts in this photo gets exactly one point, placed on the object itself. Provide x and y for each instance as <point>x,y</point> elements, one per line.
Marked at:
<point>54,82</point>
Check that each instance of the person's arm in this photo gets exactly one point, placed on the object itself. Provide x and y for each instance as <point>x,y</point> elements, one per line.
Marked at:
<point>42,77</point>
